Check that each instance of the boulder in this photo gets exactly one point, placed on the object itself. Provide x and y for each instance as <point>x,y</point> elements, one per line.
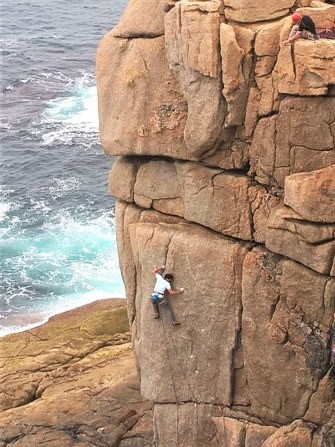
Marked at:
<point>139,108</point>
<point>289,142</point>
<point>312,195</point>
<point>307,68</point>
<point>311,244</point>
<point>257,11</point>
<point>299,434</point>
<point>304,230</point>
<point>322,13</point>
<point>142,18</point>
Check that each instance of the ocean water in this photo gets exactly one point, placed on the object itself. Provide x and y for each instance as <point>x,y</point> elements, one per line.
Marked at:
<point>57,230</point>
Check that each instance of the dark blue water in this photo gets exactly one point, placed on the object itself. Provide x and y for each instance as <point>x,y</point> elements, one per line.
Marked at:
<point>57,233</point>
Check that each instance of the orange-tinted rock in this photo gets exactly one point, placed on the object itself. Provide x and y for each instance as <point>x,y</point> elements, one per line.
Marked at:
<point>235,195</point>
<point>192,47</point>
<point>307,69</point>
<point>203,368</point>
<point>142,18</point>
<point>312,195</point>
<point>258,11</point>
<point>152,110</point>
<point>300,138</point>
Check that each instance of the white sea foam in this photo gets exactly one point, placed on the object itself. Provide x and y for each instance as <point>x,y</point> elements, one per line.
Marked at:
<point>73,117</point>
<point>68,120</point>
<point>61,186</point>
<point>16,328</point>
<point>68,255</point>
<point>40,205</point>
<point>54,79</point>
<point>4,208</point>
<point>47,79</point>
<point>5,42</point>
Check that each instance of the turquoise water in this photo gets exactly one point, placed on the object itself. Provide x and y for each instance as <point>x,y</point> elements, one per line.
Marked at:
<point>57,227</point>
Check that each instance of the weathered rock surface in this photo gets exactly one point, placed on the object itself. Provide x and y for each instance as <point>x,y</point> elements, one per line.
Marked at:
<point>192,48</point>
<point>157,111</point>
<point>308,74</point>
<point>300,138</point>
<point>191,367</point>
<point>281,327</point>
<point>234,192</point>
<point>258,11</point>
<point>316,193</point>
<point>142,18</point>
<point>72,382</point>
<point>211,197</point>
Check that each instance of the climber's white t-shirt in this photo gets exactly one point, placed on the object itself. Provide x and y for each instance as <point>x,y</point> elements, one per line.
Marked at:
<point>161,284</point>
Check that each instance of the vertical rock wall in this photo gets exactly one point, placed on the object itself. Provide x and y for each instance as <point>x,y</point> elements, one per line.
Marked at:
<point>226,174</point>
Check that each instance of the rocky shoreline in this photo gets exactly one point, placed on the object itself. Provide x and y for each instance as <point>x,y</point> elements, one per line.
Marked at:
<point>73,382</point>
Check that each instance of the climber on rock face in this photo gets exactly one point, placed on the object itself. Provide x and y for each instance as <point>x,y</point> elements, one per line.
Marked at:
<point>163,285</point>
<point>303,27</point>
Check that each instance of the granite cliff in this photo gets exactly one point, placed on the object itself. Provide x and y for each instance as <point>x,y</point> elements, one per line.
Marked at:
<point>226,174</point>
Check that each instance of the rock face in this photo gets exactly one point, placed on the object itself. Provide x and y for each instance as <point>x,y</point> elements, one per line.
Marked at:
<point>72,382</point>
<point>226,174</point>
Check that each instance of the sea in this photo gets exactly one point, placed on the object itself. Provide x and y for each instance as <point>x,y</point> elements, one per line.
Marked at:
<point>57,225</point>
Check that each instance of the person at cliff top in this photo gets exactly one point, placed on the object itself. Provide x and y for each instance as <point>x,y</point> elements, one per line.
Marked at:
<point>163,285</point>
<point>303,27</point>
